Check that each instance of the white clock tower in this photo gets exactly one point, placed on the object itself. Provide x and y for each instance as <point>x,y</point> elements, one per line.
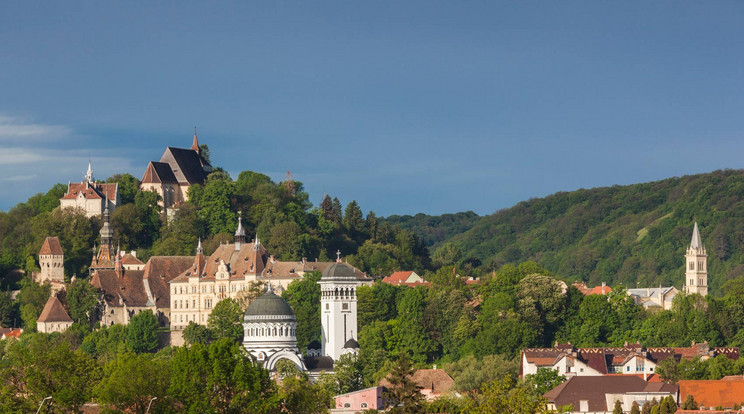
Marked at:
<point>338,309</point>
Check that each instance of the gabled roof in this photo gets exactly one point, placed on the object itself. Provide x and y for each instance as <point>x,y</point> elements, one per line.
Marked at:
<point>712,393</point>
<point>92,191</point>
<point>186,164</point>
<point>54,311</point>
<point>160,270</point>
<point>436,380</point>
<point>130,259</point>
<point>593,390</point>
<point>159,172</point>
<point>51,247</point>
<point>397,277</point>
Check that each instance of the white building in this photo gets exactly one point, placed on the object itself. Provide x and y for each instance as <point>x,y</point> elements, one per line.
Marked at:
<point>269,329</point>
<point>90,196</point>
<point>338,309</point>
<point>696,274</point>
<point>54,317</point>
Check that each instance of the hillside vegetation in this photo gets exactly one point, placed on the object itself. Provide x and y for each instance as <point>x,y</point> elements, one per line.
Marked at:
<point>635,234</point>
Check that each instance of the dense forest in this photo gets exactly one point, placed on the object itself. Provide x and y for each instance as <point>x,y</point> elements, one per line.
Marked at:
<point>634,234</point>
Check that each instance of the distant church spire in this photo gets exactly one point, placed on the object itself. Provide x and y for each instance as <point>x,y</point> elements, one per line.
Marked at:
<point>89,174</point>
<point>195,145</point>
<point>696,243</point>
<point>239,232</point>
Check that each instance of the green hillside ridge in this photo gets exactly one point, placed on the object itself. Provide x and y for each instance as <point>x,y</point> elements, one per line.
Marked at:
<point>633,234</point>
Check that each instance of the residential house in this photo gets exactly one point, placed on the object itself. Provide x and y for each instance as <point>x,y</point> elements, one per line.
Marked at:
<point>6,333</point>
<point>596,290</point>
<point>726,393</point>
<point>358,401</point>
<point>432,383</point>
<point>599,394</point>
<point>405,278</point>
<point>629,359</point>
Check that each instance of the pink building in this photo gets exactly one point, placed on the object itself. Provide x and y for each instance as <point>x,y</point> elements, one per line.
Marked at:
<point>357,401</point>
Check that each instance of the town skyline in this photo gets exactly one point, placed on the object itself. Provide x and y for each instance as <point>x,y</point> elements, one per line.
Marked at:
<point>403,108</point>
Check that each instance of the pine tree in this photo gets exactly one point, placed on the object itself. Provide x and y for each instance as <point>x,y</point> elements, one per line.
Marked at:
<point>634,409</point>
<point>327,207</point>
<point>690,403</point>
<point>618,408</point>
<point>403,394</point>
<point>336,214</point>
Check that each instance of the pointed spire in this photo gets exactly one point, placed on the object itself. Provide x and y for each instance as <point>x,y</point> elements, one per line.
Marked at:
<point>199,249</point>
<point>195,145</point>
<point>239,233</point>
<point>696,243</point>
<point>89,174</point>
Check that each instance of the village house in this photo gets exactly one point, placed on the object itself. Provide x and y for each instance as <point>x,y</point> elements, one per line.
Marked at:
<point>358,401</point>
<point>432,383</point>
<point>596,290</point>
<point>598,394</point>
<point>92,197</point>
<point>405,278</point>
<point>630,359</point>
<point>726,393</point>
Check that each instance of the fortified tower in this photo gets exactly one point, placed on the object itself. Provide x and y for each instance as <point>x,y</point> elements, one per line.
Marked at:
<point>696,275</point>
<point>338,308</point>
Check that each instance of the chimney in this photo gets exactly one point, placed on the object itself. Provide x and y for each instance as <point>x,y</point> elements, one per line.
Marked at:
<point>133,253</point>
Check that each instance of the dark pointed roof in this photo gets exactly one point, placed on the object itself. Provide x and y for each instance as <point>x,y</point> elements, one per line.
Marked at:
<point>159,172</point>
<point>314,344</point>
<point>186,164</point>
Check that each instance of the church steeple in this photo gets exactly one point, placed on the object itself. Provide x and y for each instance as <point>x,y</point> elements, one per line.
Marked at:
<point>89,174</point>
<point>696,258</point>
<point>195,145</point>
<point>239,233</point>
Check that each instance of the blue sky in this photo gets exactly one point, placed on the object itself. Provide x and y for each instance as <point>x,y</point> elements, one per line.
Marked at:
<point>405,107</point>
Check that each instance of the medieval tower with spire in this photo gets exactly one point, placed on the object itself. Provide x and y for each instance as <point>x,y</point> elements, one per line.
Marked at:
<point>696,274</point>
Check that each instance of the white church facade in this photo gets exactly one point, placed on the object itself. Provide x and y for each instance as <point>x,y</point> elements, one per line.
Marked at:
<point>269,324</point>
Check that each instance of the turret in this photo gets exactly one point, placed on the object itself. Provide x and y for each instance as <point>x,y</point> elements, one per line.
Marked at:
<point>239,233</point>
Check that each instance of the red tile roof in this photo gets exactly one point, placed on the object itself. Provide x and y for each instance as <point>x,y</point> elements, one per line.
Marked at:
<point>712,393</point>
<point>51,247</point>
<point>593,389</point>
<point>130,259</point>
<point>397,277</point>
<point>436,380</point>
<point>92,191</point>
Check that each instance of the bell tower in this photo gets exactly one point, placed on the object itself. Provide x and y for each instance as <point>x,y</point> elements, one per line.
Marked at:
<point>696,259</point>
<point>338,308</point>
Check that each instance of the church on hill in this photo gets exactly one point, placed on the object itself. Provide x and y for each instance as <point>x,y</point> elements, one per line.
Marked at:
<point>177,170</point>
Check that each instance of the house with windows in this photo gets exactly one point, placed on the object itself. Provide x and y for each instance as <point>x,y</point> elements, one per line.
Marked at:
<point>91,196</point>
<point>633,359</point>
<point>599,394</point>
<point>54,317</point>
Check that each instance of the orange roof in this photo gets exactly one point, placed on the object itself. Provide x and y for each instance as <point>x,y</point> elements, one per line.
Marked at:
<point>51,247</point>
<point>713,393</point>
<point>130,259</point>
<point>596,290</point>
<point>92,190</point>
<point>397,277</point>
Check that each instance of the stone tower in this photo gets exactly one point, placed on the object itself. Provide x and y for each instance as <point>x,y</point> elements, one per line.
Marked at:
<point>51,261</point>
<point>696,275</point>
<point>338,308</point>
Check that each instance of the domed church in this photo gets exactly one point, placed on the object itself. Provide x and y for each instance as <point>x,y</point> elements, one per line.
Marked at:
<point>269,327</point>
<point>269,324</point>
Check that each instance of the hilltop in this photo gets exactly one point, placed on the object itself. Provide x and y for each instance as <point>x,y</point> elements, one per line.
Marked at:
<point>632,234</point>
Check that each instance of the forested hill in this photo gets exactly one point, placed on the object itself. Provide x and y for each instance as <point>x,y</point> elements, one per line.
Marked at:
<point>435,229</point>
<point>634,234</point>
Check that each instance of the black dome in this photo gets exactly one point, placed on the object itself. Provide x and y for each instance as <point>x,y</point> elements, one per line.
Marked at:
<point>315,344</point>
<point>269,308</point>
<point>351,344</point>
<point>339,271</point>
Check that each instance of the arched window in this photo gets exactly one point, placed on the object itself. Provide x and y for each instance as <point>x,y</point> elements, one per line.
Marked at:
<point>347,405</point>
<point>363,405</point>
<point>275,331</point>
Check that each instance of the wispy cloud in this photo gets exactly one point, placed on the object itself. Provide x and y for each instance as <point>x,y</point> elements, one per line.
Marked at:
<point>19,129</point>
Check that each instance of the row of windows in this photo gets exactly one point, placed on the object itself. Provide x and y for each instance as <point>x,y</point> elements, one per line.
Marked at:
<point>700,282</point>
<point>700,265</point>
<point>282,331</point>
<point>338,293</point>
<point>179,304</point>
<point>207,289</point>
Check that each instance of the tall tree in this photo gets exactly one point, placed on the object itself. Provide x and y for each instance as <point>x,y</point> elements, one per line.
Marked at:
<point>225,320</point>
<point>131,381</point>
<point>403,394</point>
<point>142,335</point>
<point>303,296</point>
<point>128,187</point>
<point>82,299</point>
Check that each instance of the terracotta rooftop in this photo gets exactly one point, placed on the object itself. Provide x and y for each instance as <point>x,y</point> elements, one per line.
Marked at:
<point>436,380</point>
<point>712,393</point>
<point>130,259</point>
<point>54,311</point>
<point>92,191</point>
<point>51,247</point>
